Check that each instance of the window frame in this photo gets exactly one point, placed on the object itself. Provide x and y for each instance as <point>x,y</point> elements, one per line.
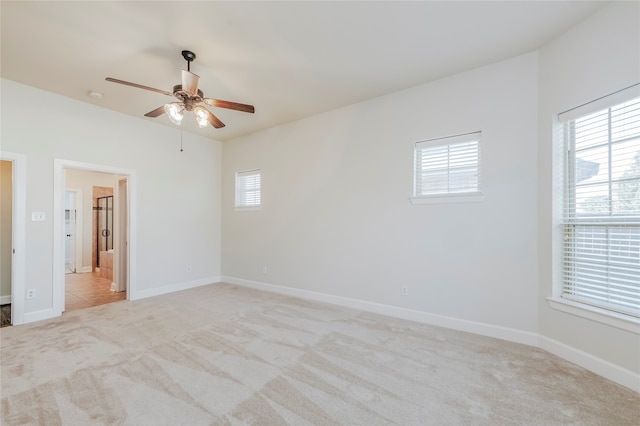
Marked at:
<point>241,190</point>
<point>464,195</point>
<point>569,218</point>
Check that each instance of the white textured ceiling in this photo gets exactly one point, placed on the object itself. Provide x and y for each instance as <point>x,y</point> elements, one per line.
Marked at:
<point>288,59</point>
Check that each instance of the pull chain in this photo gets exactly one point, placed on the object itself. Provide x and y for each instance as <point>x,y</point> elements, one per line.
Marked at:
<point>181,150</point>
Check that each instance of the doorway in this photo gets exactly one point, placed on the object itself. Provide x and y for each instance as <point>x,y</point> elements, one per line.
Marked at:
<point>90,282</point>
<point>70,242</point>
<point>72,231</point>
<point>96,289</point>
<point>15,236</point>
<point>6,240</point>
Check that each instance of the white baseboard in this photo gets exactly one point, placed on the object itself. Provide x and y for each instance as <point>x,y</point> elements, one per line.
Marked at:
<point>84,270</point>
<point>143,294</point>
<point>5,300</point>
<point>594,364</point>
<point>597,365</point>
<point>498,332</point>
<point>39,315</point>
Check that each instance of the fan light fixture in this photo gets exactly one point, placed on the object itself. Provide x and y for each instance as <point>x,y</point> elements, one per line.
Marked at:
<point>175,111</point>
<point>202,116</point>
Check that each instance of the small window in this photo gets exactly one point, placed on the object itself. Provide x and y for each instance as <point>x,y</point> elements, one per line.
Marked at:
<point>447,167</point>
<point>248,190</point>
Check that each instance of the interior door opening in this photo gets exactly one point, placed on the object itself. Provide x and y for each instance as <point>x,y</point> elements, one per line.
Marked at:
<point>72,230</point>
<point>17,249</point>
<point>91,280</point>
<point>6,240</point>
<point>85,176</point>
<point>69,242</point>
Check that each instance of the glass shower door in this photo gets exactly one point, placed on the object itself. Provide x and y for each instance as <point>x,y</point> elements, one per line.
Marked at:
<point>104,228</point>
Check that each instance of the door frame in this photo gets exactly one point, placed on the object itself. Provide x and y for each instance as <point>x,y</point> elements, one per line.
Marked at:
<point>59,167</point>
<point>122,226</point>
<point>18,233</point>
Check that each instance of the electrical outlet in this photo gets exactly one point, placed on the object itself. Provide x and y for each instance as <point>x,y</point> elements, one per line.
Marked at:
<point>188,268</point>
<point>404,291</point>
<point>264,270</point>
<point>31,293</point>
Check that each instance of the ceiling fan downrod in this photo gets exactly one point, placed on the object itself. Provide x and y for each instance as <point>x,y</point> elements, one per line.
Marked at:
<point>188,56</point>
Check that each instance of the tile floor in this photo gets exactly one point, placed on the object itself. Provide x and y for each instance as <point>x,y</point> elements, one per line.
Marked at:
<point>87,290</point>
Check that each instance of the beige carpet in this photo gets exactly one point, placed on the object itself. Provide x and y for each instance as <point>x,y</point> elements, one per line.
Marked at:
<point>226,355</point>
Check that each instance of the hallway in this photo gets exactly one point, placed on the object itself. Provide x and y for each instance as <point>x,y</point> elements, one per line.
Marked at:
<point>87,290</point>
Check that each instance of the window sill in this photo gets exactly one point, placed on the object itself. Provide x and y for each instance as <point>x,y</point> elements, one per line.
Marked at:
<point>247,209</point>
<point>613,319</point>
<point>449,198</point>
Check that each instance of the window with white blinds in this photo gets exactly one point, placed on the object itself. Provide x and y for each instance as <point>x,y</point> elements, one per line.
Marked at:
<point>448,165</point>
<point>248,191</point>
<point>601,219</point>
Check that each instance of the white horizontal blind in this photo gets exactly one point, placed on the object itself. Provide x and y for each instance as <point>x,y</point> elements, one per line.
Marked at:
<point>448,165</point>
<point>248,191</point>
<point>602,209</point>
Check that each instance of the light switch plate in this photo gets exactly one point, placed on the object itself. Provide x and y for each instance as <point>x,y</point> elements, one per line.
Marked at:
<point>37,216</point>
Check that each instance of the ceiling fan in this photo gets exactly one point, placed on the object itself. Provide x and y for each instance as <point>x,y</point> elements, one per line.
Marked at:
<point>190,98</point>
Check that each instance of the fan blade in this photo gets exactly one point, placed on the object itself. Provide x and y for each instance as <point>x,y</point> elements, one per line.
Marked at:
<point>214,121</point>
<point>229,105</point>
<point>156,112</point>
<point>190,82</point>
<point>139,86</point>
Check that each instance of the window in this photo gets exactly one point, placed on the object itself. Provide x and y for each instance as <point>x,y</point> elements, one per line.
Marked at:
<point>248,190</point>
<point>601,218</point>
<point>447,166</point>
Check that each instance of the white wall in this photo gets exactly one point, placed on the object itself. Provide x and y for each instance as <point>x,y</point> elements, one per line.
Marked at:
<point>178,198</point>
<point>597,57</point>
<point>336,217</point>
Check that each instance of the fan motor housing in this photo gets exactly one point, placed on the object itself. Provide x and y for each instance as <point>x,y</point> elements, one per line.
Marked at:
<point>185,97</point>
